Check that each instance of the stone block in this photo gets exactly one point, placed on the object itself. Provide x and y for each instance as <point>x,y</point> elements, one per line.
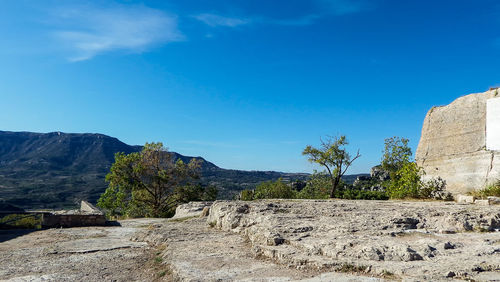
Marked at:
<point>482,202</point>
<point>191,209</point>
<point>87,207</point>
<point>465,199</point>
<point>494,200</point>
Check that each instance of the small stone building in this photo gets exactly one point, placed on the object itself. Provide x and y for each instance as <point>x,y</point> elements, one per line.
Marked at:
<point>460,142</point>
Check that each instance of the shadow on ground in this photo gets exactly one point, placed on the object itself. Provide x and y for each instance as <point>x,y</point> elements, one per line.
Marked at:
<point>9,234</point>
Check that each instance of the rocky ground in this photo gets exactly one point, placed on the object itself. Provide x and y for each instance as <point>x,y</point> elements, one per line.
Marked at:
<point>77,254</point>
<point>386,239</point>
<point>331,240</point>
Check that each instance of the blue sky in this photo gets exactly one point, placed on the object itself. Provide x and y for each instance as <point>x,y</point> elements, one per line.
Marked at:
<point>244,84</point>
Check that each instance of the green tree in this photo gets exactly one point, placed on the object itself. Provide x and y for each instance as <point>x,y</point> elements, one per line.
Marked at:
<point>143,183</point>
<point>274,190</point>
<point>332,155</point>
<point>195,192</point>
<point>317,187</point>
<point>407,182</point>
<point>396,154</point>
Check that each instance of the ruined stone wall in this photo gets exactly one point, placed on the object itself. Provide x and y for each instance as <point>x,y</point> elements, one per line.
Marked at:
<point>453,144</point>
<point>72,220</point>
<point>87,215</point>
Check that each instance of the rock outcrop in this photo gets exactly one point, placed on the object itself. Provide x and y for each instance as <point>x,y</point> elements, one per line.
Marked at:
<point>413,241</point>
<point>453,144</point>
<point>191,209</point>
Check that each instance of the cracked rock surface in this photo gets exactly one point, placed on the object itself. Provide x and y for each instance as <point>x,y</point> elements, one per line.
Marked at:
<point>407,240</point>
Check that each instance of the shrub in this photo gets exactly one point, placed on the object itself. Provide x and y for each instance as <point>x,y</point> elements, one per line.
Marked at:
<point>246,195</point>
<point>490,190</point>
<point>318,187</point>
<point>352,194</point>
<point>406,182</point>
<point>435,189</point>
<point>21,221</point>
<point>274,190</point>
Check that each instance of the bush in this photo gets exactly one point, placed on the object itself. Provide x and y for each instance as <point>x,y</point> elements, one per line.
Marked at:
<point>318,187</point>
<point>406,182</point>
<point>352,194</point>
<point>274,190</point>
<point>21,221</point>
<point>246,195</point>
<point>435,189</point>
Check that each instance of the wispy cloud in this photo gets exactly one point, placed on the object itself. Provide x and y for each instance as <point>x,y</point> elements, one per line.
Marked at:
<point>95,30</point>
<point>214,20</point>
<point>322,8</point>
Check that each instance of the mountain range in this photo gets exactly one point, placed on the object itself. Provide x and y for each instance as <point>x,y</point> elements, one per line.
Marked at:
<point>57,170</point>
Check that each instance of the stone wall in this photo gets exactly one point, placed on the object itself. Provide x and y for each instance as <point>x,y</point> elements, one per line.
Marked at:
<point>72,220</point>
<point>453,144</point>
<point>87,215</point>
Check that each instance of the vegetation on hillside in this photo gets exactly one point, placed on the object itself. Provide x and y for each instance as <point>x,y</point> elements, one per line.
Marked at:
<point>21,221</point>
<point>317,187</point>
<point>406,178</point>
<point>57,170</point>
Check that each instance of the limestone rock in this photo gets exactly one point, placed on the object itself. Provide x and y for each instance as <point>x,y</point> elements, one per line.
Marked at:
<point>482,202</point>
<point>379,173</point>
<point>88,208</point>
<point>205,212</point>
<point>399,237</point>
<point>494,200</point>
<point>465,199</point>
<point>453,144</point>
<point>191,209</point>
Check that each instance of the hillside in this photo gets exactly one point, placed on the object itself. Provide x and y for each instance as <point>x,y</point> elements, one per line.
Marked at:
<point>57,170</point>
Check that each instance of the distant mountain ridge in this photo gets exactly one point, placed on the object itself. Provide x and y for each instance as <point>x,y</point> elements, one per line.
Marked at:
<point>57,170</point>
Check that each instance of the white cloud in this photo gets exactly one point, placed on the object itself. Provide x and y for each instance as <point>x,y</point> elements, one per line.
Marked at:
<point>322,8</point>
<point>214,20</point>
<point>91,30</point>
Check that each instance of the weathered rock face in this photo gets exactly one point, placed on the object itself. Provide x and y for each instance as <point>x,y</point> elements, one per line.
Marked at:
<point>416,241</point>
<point>453,144</point>
<point>191,209</point>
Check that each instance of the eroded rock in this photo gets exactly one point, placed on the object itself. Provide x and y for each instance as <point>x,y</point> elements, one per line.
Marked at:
<point>403,238</point>
<point>453,144</point>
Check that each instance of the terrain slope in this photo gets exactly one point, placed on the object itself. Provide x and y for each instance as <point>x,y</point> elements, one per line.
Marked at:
<point>58,170</point>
